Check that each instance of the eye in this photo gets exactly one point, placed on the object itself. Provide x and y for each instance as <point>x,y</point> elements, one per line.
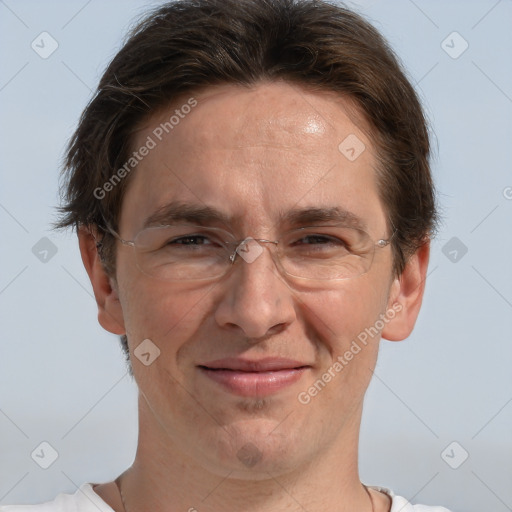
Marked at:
<point>319,239</point>
<point>190,240</point>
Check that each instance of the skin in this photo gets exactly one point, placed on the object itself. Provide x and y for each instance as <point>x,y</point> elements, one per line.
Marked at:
<point>252,153</point>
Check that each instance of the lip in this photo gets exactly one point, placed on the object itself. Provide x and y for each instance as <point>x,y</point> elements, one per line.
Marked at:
<point>260,377</point>
<point>254,365</point>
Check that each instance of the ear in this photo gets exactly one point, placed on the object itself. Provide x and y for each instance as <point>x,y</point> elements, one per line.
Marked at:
<point>110,313</point>
<point>406,295</point>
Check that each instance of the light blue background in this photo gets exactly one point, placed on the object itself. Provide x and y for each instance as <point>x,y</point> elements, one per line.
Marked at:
<point>63,379</point>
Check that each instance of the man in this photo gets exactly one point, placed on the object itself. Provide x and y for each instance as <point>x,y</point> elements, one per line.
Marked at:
<point>254,207</point>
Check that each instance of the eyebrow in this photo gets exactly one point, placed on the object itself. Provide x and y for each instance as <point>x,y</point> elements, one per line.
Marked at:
<point>184,212</point>
<point>203,215</point>
<point>316,215</point>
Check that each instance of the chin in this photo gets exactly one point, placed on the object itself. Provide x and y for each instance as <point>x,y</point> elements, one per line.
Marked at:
<point>253,449</point>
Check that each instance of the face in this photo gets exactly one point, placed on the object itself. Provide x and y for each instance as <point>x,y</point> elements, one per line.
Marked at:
<point>253,156</point>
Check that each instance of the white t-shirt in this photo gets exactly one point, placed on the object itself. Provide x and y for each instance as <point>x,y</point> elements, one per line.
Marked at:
<point>86,500</point>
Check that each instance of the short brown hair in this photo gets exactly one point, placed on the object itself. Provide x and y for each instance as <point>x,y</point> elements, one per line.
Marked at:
<point>188,45</point>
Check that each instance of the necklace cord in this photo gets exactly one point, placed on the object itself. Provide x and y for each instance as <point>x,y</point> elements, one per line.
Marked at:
<point>118,483</point>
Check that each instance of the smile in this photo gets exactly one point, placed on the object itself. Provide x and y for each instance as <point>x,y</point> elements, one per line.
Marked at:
<point>254,378</point>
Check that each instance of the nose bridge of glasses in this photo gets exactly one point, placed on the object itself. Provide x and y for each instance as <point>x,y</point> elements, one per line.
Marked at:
<point>250,249</point>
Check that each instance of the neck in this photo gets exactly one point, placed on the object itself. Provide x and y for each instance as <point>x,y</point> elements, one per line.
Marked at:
<point>165,478</point>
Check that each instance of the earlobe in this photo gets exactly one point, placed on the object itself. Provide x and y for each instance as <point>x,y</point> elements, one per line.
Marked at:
<point>407,292</point>
<point>110,314</point>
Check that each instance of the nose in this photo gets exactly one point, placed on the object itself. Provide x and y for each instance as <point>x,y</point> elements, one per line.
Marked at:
<point>256,298</point>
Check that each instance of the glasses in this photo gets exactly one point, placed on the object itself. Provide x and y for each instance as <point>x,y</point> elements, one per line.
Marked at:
<point>186,252</point>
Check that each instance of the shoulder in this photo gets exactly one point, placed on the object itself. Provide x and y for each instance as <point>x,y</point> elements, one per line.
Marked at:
<point>83,500</point>
<point>403,505</point>
<point>400,504</point>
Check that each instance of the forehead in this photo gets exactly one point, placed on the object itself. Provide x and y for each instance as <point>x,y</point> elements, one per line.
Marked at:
<point>253,153</point>
<point>276,114</point>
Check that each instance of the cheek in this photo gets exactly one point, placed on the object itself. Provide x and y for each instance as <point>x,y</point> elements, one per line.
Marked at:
<point>341,314</point>
<point>166,313</point>
<point>170,318</point>
<point>336,319</point>
<point>345,321</point>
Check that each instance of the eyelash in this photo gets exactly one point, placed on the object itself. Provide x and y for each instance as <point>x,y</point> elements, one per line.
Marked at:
<point>326,239</point>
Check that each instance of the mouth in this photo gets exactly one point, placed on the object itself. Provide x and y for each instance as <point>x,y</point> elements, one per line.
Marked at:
<point>254,377</point>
